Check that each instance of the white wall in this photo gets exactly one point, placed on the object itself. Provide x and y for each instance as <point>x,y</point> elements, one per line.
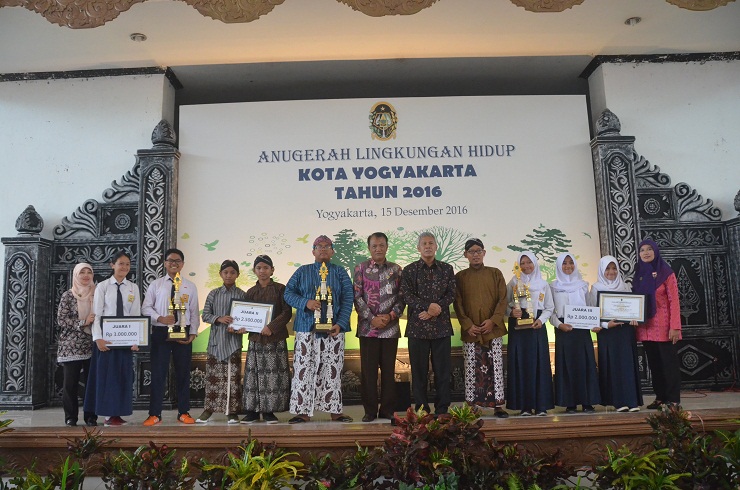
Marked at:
<point>685,116</point>
<point>64,141</point>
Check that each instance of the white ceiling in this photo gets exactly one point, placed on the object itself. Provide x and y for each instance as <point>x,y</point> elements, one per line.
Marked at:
<point>493,41</point>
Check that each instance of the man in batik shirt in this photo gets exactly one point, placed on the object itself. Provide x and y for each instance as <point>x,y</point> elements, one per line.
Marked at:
<point>379,305</point>
<point>428,288</point>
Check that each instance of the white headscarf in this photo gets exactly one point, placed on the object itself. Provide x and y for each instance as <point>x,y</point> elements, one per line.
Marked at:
<point>572,284</point>
<point>604,284</point>
<point>534,280</point>
<point>83,294</point>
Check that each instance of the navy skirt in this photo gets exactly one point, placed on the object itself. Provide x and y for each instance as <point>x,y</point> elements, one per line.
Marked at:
<point>110,384</point>
<point>529,375</point>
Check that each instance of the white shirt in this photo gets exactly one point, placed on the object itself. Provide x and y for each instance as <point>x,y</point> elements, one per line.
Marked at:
<point>157,302</point>
<point>104,302</point>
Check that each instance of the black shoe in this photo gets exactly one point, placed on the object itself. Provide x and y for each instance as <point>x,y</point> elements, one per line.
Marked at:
<point>589,409</point>
<point>368,417</point>
<point>270,418</point>
<point>251,417</point>
<point>386,416</point>
<point>91,423</point>
<point>655,405</point>
<point>500,413</point>
<point>570,409</point>
<point>70,423</point>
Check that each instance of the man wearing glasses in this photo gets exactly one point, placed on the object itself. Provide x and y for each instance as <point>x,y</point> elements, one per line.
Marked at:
<point>318,358</point>
<point>480,305</point>
<point>157,306</point>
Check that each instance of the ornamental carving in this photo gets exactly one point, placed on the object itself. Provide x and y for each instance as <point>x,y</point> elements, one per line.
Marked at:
<point>153,207</point>
<point>87,14</point>
<point>699,5</point>
<point>546,5</point>
<point>687,237</point>
<point>84,220</point>
<point>721,290</point>
<point>608,124</point>
<point>647,175</point>
<point>92,254</point>
<point>693,207</point>
<point>621,210</point>
<point>127,189</point>
<point>29,222</point>
<point>379,8</point>
<point>18,285</point>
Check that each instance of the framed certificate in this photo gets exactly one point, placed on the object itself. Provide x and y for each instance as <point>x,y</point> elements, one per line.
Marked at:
<point>622,306</point>
<point>250,317</point>
<point>586,317</point>
<point>125,331</point>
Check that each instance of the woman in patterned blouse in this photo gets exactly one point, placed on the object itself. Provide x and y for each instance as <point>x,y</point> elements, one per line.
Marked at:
<point>74,347</point>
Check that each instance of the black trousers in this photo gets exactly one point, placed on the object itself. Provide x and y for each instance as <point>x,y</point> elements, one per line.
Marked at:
<point>664,365</point>
<point>441,354</point>
<point>73,372</point>
<point>374,353</point>
<point>181,354</point>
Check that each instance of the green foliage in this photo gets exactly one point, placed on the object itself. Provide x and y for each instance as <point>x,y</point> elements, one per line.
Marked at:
<point>252,467</point>
<point>327,472</point>
<point>91,443</point>
<point>443,452</point>
<point>150,467</point>
<point>693,453</point>
<point>546,244</point>
<point>626,470</point>
<point>349,249</point>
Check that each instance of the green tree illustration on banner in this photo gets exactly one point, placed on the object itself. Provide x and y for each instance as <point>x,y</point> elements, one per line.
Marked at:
<point>349,249</point>
<point>402,246</point>
<point>546,244</point>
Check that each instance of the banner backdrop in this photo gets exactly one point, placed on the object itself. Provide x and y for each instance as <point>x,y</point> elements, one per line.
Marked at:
<point>268,177</point>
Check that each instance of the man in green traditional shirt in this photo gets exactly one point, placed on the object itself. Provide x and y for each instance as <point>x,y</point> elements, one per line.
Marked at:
<point>480,304</point>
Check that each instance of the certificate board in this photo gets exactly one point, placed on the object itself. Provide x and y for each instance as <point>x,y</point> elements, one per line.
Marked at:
<point>623,306</point>
<point>250,317</point>
<point>124,332</point>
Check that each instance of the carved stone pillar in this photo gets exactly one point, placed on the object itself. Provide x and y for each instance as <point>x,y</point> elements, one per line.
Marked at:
<point>733,241</point>
<point>157,203</point>
<point>616,197</point>
<point>26,315</point>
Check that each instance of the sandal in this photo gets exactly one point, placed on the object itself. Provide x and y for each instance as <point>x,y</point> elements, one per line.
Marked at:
<point>297,420</point>
<point>342,418</point>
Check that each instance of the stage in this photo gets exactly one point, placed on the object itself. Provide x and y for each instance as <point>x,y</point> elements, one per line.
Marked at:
<point>41,434</point>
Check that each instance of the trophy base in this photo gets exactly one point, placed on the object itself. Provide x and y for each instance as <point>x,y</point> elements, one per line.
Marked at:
<point>322,327</point>
<point>173,336</point>
<point>525,322</point>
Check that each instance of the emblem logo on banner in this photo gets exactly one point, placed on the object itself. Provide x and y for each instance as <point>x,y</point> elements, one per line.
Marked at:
<point>383,121</point>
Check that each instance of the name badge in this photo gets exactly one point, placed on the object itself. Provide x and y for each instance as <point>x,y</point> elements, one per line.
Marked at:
<point>130,298</point>
<point>542,297</point>
<point>184,298</point>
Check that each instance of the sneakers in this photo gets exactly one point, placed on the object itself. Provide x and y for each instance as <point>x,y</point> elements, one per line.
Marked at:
<point>570,409</point>
<point>270,418</point>
<point>542,413</point>
<point>250,417</point>
<point>624,409</point>
<point>589,409</point>
<point>525,413</point>
<point>232,418</point>
<point>152,420</point>
<point>114,421</point>
<point>91,422</point>
<point>203,419</point>
<point>185,418</point>
<point>635,409</point>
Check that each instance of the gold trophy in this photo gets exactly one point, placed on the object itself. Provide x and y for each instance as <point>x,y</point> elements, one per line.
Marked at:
<point>521,290</point>
<point>323,295</point>
<point>177,307</point>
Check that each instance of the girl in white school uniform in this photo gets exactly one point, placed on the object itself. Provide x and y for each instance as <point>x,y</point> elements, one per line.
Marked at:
<point>619,375</point>
<point>529,383</point>
<point>110,384</point>
<point>576,380</point>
